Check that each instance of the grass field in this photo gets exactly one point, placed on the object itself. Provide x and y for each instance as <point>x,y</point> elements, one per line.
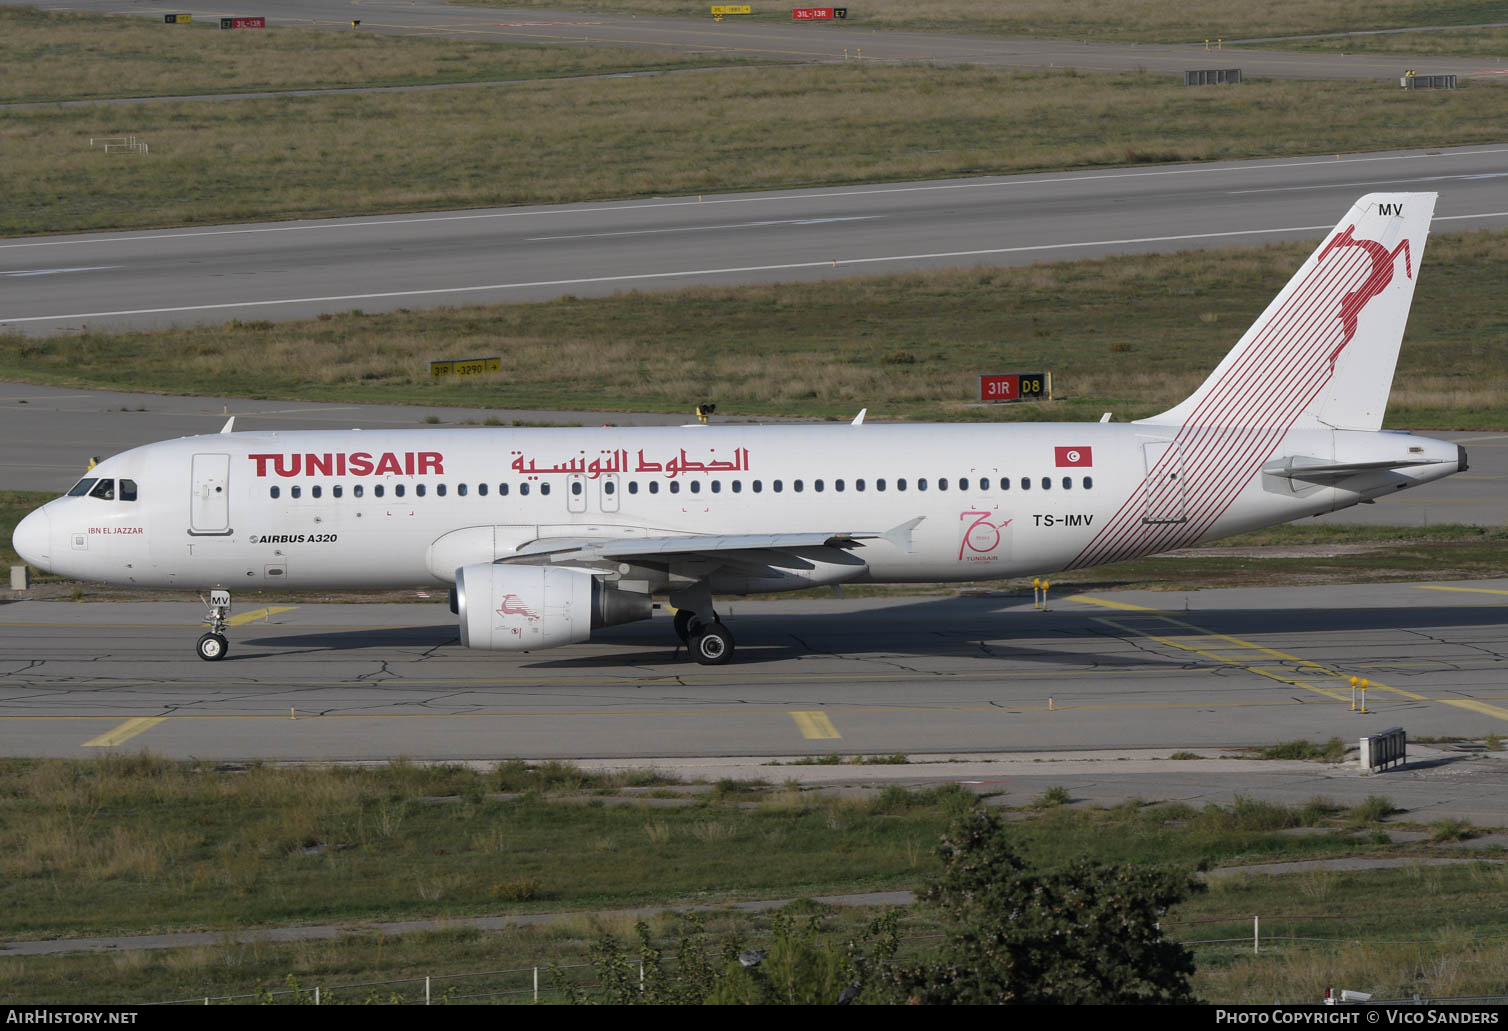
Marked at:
<point>736,129</point>
<point>132,844</point>
<point>1131,21</point>
<point>55,55</point>
<point>1130,335</point>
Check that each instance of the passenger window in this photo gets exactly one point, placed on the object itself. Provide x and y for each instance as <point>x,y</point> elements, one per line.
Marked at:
<point>440,490</point>
<point>419,490</point>
<point>817,486</point>
<point>900,483</point>
<point>104,490</point>
<point>1088,482</point>
<point>379,490</point>
<point>738,486</point>
<point>337,490</point>
<point>460,489</point>
<point>879,485</point>
<point>798,486</point>
<point>717,486</point>
<point>1047,483</point>
<point>1026,483</point>
<point>921,483</point>
<point>398,490</point>
<point>318,491</point>
<point>1068,483</point>
<point>1005,483</point>
<point>523,488</point>
<point>758,486</point>
<point>609,487</point>
<point>275,491</point>
<point>128,490</point>
<point>296,491</point>
<point>942,483</point>
<point>83,487</point>
<point>858,485</point>
<point>838,486</point>
<point>358,490</point>
<point>777,486</point>
<point>633,486</point>
<point>544,488</point>
<point>502,490</point>
<point>696,486</point>
<point>675,486</point>
<point>654,486</point>
<point>576,488</point>
<point>481,490</point>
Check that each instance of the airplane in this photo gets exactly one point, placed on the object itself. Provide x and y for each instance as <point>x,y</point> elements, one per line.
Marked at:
<point>549,534</point>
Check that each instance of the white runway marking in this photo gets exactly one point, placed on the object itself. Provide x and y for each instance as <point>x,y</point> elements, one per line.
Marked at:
<point>682,273</point>
<point>700,229</point>
<point>19,273</point>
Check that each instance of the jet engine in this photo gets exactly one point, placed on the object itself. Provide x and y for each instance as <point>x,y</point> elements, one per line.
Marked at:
<point>519,608</point>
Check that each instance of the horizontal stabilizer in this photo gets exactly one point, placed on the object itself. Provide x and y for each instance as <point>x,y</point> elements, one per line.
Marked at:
<point>1301,468</point>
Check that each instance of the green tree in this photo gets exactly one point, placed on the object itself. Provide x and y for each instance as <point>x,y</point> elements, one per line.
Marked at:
<point>1086,934</point>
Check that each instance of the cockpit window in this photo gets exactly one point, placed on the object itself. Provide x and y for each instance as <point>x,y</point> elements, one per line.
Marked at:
<point>128,490</point>
<point>82,487</point>
<point>104,489</point>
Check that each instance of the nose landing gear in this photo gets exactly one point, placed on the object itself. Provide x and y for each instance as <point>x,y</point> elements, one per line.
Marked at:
<point>213,646</point>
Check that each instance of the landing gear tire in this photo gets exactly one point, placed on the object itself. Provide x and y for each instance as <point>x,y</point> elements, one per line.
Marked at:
<point>212,647</point>
<point>712,645</point>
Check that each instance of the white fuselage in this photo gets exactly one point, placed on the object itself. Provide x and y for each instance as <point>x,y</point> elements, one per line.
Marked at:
<point>364,509</point>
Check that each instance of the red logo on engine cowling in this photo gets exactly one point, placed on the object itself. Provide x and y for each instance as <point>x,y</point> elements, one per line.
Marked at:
<point>513,605</point>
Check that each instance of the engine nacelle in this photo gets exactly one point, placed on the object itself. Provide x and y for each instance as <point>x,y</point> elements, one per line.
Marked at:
<point>520,608</point>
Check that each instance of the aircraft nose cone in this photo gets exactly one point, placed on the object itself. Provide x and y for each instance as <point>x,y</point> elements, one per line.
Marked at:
<point>33,540</point>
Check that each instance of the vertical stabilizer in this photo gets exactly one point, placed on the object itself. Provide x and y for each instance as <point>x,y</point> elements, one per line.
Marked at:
<point>1323,352</point>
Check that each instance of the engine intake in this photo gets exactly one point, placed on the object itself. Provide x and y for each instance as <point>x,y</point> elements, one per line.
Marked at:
<point>520,608</point>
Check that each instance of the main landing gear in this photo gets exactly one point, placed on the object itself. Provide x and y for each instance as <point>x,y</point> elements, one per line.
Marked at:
<point>213,645</point>
<point>710,644</point>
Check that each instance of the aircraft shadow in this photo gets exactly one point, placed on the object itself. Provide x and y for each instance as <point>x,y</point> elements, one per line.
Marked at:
<point>1000,628</point>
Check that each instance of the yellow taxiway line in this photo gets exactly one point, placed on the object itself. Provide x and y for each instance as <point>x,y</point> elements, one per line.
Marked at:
<point>1339,693</point>
<point>125,732</point>
<point>258,614</point>
<point>815,726</point>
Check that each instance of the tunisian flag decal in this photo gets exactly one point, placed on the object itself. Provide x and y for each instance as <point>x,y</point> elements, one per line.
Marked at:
<point>1073,456</point>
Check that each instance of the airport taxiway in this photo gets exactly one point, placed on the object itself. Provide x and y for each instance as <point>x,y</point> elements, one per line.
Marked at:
<point>1117,670</point>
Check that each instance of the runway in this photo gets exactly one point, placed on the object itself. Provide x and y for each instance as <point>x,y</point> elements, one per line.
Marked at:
<point>939,676</point>
<point>289,270</point>
<point>805,43</point>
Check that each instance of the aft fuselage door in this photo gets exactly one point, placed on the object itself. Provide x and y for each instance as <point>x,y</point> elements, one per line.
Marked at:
<point>209,507</point>
<point>607,492</point>
<point>576,493</point>
<point>1162,490</point>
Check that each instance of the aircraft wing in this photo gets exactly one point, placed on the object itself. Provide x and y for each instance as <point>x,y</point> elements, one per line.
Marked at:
<point>653,549</point>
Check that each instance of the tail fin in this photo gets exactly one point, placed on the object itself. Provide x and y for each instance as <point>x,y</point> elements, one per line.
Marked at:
<point>1324,351</point>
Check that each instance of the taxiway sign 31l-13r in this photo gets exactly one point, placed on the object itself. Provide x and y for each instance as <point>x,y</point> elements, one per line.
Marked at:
<point>548,534</point>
